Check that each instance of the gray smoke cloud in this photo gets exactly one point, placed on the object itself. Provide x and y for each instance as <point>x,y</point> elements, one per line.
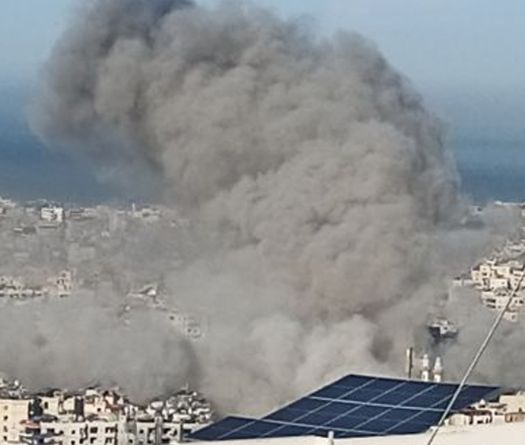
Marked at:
<point>321,197</point>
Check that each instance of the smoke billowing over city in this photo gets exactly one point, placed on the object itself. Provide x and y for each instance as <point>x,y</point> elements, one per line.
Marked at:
<point>320,206</point>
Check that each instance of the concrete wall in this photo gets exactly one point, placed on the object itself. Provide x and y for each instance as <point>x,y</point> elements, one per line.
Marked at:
<point>507,434</point>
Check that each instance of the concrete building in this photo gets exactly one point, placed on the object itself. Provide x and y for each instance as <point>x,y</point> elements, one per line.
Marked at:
<point>75,432</point>
<point>498,299</point>
<point>504,434</point>
<point>7,203</point>
<point>13,414</point>
<point>52,214</point>
<point>514,402</point>
<point>493,274</point>
<point>146,214</point>
<point>153,431</point>
<point>96,417</point>
<point>15,288</point>
<point>61,285</point>
<point>479,414</point>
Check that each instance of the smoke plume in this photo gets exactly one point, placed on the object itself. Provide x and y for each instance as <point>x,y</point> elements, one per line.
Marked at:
<point>317,186</point>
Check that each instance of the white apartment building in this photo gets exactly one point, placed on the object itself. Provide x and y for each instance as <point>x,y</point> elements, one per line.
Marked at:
<point>7,203</point>
<point>52,405</point>
<point>73,432</point>
<point>515,402</point>
<point>497,300</point>
<point>151,431</point>
<point>13,414</point>
<point>92,418</point>
<point>96,417</point>
<point>509,408</point>
<point>11,287</point>
<point>492,274</point>
<point>471,416</point>
<point>481,274</point>
<point>61,285</point>
<point>52,214</point>
<point>83,214</point>
<point>91,403</point>
<point>146,214</point>
<point>496,280</point>
<point>514,248</point>
<point>106,405</point>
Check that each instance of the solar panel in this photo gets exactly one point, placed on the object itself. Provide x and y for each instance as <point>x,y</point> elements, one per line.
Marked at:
<point>354,406</point>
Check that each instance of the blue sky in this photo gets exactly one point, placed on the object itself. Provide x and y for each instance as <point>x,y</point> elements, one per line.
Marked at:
<point>440,44</point>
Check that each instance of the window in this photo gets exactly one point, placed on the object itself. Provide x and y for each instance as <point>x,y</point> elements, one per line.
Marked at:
<point>6,417</point>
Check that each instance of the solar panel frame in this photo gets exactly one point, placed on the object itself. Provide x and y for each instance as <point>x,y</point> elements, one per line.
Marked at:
<point>224,426</point>
<point>353,406</point>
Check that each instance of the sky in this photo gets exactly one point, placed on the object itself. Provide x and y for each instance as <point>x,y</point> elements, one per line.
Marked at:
<point>440,44</point>
<point>464,56</point>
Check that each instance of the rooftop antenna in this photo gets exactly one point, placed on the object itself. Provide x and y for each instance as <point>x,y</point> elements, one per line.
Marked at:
<point>437,371</point>
<point>476,359</point>
<point>425,368</point>
<point>409,364</point>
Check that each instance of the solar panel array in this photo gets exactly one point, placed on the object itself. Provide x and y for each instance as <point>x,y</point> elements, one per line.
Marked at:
<point>353,406</point>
